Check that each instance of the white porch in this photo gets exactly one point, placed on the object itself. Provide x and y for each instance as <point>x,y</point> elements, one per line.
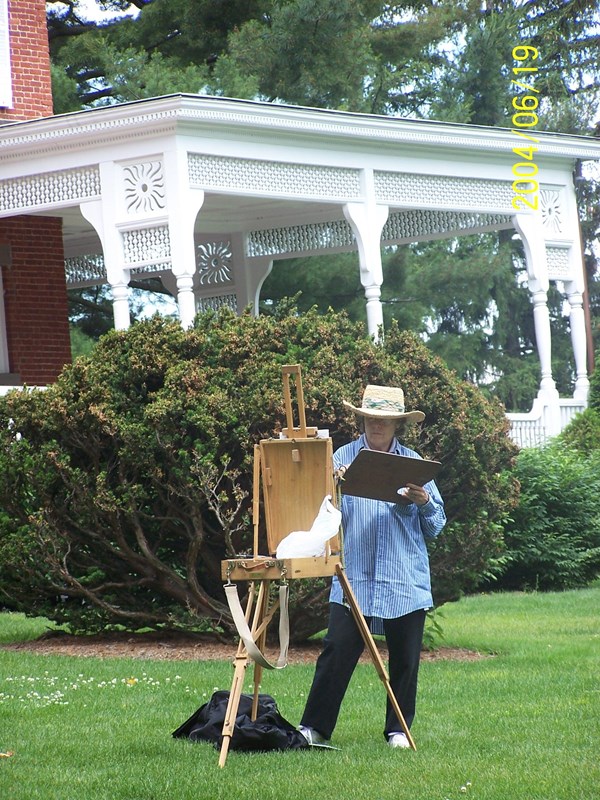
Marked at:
<point>207,192</point>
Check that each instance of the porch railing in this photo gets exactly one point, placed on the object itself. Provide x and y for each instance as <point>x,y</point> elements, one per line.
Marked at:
<point>536,427</point>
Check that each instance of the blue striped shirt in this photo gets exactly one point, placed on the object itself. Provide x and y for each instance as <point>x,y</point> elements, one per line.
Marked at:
<point>385,555</point>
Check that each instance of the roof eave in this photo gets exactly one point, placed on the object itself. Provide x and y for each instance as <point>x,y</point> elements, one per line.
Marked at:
<point>182,113</point>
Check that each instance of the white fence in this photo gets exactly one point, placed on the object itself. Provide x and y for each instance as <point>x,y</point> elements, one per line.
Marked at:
<point>537,426</point>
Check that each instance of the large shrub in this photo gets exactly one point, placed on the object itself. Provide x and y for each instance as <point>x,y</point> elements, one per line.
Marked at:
<point>583,432</point>
<point>126,482</point>
<point>594,395</point>
<point>553,537</point>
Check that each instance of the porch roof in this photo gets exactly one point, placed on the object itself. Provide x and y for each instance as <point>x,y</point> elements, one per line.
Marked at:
<point>225,129</point>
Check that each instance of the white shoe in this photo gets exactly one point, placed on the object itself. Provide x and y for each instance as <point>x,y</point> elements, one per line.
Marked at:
<point>313,737</point>
<point>398,740</point>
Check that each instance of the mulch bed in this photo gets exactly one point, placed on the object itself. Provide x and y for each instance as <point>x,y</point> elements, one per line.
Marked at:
<point>181,647</point>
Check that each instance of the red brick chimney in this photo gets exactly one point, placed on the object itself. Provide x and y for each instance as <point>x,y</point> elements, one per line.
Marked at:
<point>29,58</point>
<point>31,248</point>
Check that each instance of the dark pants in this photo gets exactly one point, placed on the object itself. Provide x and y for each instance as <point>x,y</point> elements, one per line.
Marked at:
<point>342,647</point>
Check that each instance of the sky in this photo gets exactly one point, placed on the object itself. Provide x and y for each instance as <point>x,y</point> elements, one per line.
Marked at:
<point>92,11</point>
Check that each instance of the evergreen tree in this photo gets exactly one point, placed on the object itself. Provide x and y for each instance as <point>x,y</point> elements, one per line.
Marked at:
<point>363,55</point>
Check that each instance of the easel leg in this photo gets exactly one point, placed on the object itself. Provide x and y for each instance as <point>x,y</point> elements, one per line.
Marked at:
<point>258,670</point>
<point>240,664</point>
<point>372,648</point>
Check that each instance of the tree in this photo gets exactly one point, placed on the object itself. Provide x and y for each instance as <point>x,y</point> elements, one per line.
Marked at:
<point>308,52</point>
<point>125,483</point>
<point>168,47</point>
<point>582,434</point>
<point>81,344</point>
<point>332,281</point>
<point>468,297</point>
<point>363,55</point>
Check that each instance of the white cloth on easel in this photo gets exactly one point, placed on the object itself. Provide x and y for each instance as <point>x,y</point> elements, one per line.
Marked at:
<point>307,544</point>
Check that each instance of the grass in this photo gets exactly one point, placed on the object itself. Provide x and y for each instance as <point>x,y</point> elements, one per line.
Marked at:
<point>519,725</point>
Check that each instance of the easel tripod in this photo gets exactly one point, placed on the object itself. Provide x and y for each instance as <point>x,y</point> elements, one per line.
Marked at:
<point>296,473</point>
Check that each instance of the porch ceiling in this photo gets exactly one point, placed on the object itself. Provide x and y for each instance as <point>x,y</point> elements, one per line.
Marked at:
<point>220,214</point>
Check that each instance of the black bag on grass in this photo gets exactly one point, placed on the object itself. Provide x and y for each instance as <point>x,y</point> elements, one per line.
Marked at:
<point>269,731</point>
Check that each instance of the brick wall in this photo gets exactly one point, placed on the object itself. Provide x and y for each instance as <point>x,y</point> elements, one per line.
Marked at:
<point>30,61</point>
<point>35,292</point>
<point>35,298</point>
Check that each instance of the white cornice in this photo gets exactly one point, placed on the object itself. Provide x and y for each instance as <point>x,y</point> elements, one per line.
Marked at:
<point>244,119</point>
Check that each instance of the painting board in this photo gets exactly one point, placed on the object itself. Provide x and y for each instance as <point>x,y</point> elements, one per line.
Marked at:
<point>379,475</point>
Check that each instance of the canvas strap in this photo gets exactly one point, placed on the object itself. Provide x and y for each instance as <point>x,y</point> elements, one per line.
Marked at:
<point>231,592</point>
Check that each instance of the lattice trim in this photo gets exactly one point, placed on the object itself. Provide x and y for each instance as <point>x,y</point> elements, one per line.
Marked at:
<point>88,269</point>
<point>559,263</point>
<point>300,238</point>
<point>215,303</point>
<point>273,177</point>
<point>147,245</point>
<point>160,266</point>
<point>401,226</point>
<point>50,188</point>
<point>422,223</point>
<point>442,190</point>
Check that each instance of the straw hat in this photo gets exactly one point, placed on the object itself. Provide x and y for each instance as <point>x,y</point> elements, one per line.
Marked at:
<point>385,402</point>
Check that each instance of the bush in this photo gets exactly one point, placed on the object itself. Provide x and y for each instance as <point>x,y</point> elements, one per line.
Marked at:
<point>553,538</point>
<point>130,478</point>
<point>594,395</point>
<point>583,432</point>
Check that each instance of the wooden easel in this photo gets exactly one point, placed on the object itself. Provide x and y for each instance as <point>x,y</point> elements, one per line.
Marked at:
<point>296,473</point>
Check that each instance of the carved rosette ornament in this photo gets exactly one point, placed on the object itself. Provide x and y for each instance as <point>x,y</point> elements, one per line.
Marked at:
<point>551,210</point>
<point>144,187</point>
<point>213,261</point>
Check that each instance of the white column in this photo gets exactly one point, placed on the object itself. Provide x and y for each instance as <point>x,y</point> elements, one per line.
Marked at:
<point>579,342</point>
<point>541,320</point>
<point>256,271</point>
<point>581,338</point>
<point>374,311</point>
<point>183,205</point>
<point>530,229</point>
<point>120,295</point>
<point>186,301</point>
<point>112,249</point>
<point>367,220</point>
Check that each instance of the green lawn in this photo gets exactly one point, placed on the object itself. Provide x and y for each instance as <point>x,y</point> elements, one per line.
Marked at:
<point>522,724</point>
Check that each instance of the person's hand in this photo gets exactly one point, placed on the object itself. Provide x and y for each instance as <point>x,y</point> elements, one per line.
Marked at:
<point>339,473</point>
<point>416,494</point>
